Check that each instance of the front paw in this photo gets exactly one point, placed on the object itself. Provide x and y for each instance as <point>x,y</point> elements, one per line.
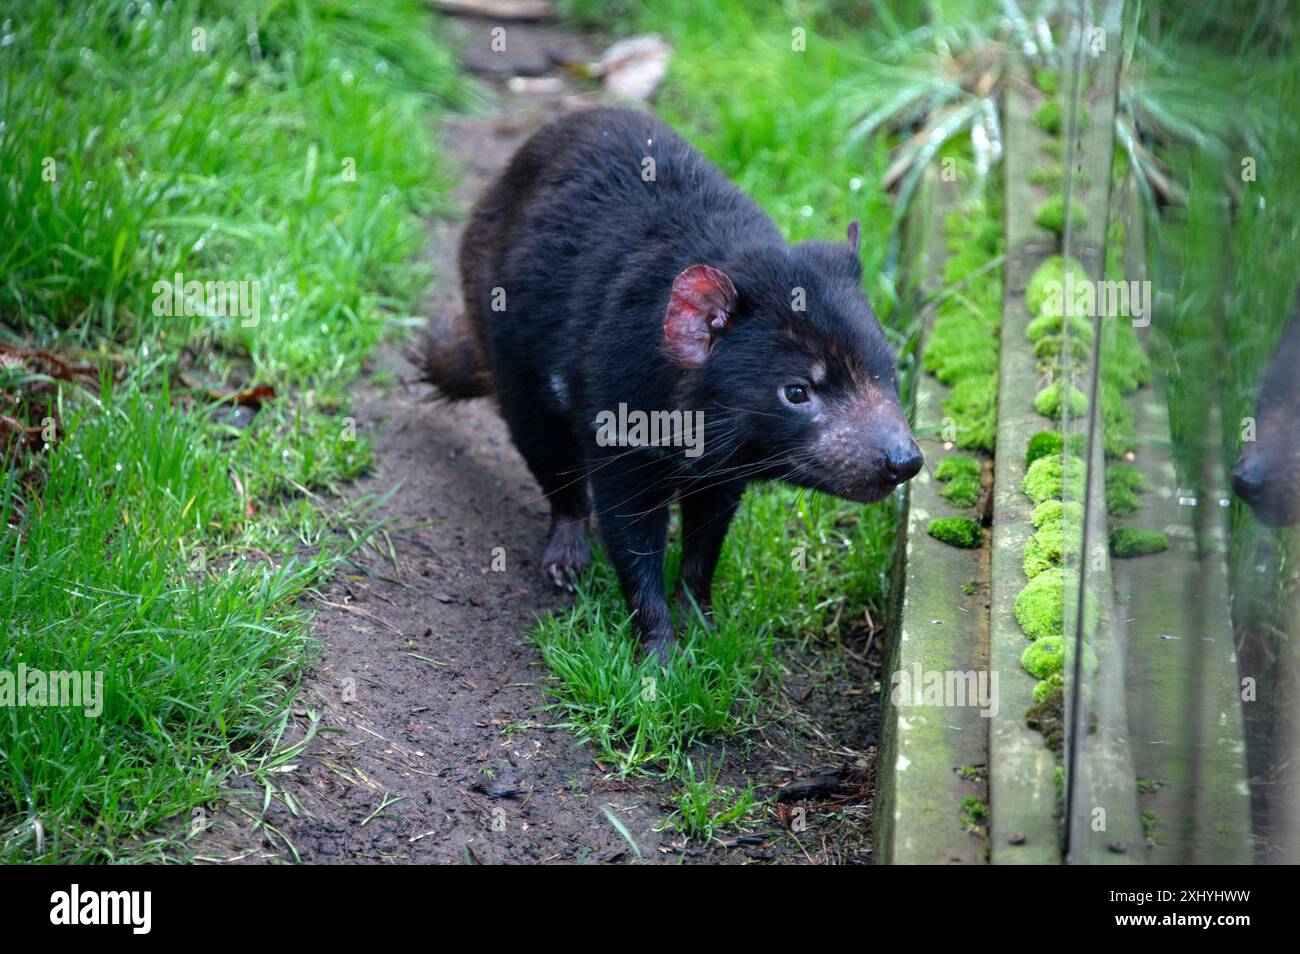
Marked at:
<point>692,608</point>
<point>566,554</point>
<point>662,649</point>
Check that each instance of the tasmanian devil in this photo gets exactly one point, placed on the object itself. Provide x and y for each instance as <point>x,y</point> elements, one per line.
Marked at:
<point>1267,474</point>
<point>651,337</point>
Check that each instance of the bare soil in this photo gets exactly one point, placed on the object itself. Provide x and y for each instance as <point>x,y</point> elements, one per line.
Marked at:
<point>434,746</point>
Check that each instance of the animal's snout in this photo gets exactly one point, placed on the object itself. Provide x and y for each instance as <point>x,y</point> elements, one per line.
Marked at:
<point>902,462</point>
<point>1247,481</point>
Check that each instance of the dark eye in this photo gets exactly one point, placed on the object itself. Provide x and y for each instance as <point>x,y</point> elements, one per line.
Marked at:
<point>795,394</point>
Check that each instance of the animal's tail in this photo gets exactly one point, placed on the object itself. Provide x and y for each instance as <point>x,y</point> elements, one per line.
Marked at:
<point>450,359</point>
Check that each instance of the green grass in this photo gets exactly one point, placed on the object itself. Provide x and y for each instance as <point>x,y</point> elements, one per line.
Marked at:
<point>793,567</point>
<point>704,808</point>
<point>149,541</point>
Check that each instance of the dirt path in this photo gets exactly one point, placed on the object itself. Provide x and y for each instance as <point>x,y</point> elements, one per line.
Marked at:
<point>432,747</point>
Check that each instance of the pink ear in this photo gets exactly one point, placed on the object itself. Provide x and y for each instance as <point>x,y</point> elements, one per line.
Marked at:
<point>855,235</point>
<point>699,309</point>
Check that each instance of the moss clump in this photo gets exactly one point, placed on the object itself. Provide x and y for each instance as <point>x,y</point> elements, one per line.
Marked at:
<point>1118,422</point>
<point>1044,657</point>
<point>1045,80</point>
<point>1050,348</point>
<point>1047,715</point>
<point>1051,214</point>
<point>962,491</point>
<point>1054,511</point>
<point>1050,175</point>
<point>973,404</point>
<point>1124,362</point>
<point>1128,542</point>
<point>1056,523</point>
<point>1045,479</point>
<point>1050,325</point>
<point>962,342</point>
<point>956,531</point>
<point>957,465</point>
<point>1122,485</point>
<point>1050,444</point>
<point>1045,687</point>
<point>961,349</point>
<point>1122,502</point>
<point>973,811</point>
<point>1040,607</point>
<point>1049,401</point>
<point>1046,548</point>
<point>1049,280</point>
<point>1044,444</point>
<point>1048,117</point>
<point>962,475</point>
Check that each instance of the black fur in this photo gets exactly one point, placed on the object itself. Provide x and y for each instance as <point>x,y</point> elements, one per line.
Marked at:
<point>1267,475</point>
<point>585,251</point>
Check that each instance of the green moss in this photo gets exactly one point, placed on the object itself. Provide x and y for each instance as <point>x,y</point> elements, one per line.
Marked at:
<point>1048,279</point>
<point>1048,349</point>
<point>1128,542</point>
<point>973,811</point>
<point>973,404</point>
<point>1050,443</point>
<point>1122,502</point>
<point>1048,117</point>
<point>969,772</point>
<point>962,491</point>
<point>1050,175</point>
<point>961,349</point>
<point>962,475</point>
<point>962,342</point>
<point>1044,444</point>
<point>1051,214</point>
<point>1044,657</point>
<point>1047,547</point>
<point>957,465</point>
<point>1047,715</point>
<point>1117,422</point>
<point>1048,402</point>
<point>1054,511</point>
<point>1121,475</point>
<point>1150,825</point>
<point>1046,479</point>
<point>1045,80</point>
<point>1122,485</point>
<point>1040,607</point>
<point>1045,687</point>
<point>1049,323</point>
<point>1147,785</point>
<point>1059,527</point>
<point>956,531</point>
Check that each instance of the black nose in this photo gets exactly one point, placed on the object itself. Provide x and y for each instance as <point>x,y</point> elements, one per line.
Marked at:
<point>903,462</point>
<point>1247,482</point>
